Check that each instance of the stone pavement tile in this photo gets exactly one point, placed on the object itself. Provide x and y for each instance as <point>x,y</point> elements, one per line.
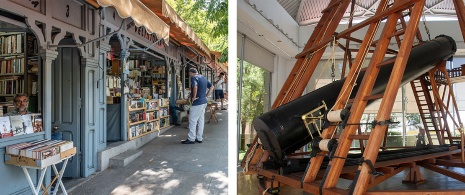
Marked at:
<point>204,160</point>
<point>163,164</point>
<point>222,161</point>
<point>194,168</point>
<point>207,150</point>
<point>219,183</point>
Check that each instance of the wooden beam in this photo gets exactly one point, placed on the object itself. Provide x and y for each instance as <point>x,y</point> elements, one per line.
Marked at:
<point>417,192</point>
<point>450,163</point>
<point>390,93</point>
<point>315,162</point>
<point>446,172</point>
<point>388,173</point>
<point>376,18</point>
<point>359,105</point>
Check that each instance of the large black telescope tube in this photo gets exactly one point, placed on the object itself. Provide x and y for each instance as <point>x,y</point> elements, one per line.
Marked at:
<point>282,130</point>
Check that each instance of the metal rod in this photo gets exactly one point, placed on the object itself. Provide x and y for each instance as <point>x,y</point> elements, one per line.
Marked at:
<point>239,97</point>
<point>91,41</point>
<point>146,48</point>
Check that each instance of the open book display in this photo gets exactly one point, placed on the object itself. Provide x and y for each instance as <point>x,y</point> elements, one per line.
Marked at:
<point>20,125</point>
<point>38,153</point>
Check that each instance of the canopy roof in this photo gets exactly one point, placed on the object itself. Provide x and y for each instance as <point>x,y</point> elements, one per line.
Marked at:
<point>152,14</point>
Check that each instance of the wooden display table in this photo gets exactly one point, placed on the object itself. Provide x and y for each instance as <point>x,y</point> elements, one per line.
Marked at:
<point>29,163</point>
<point>213,107</point>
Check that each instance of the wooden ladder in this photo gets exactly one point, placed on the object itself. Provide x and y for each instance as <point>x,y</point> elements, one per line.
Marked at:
<point>421,91</point>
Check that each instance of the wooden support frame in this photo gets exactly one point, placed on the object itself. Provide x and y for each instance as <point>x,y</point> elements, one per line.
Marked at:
<point>302,71</point>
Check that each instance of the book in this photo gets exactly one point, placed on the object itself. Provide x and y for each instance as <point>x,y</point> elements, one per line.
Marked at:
<point>27,124</point>
<point>17,125</point>
<point>36,122</point>
<point>5,127</point>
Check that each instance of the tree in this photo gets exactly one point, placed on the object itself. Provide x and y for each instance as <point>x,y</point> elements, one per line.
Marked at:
<point>208,19</point>
<point>253,93</point>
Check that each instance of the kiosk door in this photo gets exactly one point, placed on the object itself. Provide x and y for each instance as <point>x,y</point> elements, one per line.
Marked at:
<point>67,103</point>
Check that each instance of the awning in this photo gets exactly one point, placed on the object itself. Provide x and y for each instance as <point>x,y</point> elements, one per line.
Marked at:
<point>141,15</point>
<point>179,30</point>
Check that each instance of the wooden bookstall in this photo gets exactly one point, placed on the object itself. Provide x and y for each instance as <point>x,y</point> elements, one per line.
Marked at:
<point>147,116</point>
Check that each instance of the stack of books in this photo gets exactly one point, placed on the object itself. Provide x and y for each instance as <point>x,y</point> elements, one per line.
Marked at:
<point>39,149</point>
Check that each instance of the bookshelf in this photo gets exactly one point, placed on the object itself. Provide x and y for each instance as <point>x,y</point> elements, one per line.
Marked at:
<point>159,78</point>
<point>145,116</point>
<point>19,65</point>
<point>164,113</point>
<point>12,60</point>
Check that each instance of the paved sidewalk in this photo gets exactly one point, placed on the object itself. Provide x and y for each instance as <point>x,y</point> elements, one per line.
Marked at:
<point>169,167</point>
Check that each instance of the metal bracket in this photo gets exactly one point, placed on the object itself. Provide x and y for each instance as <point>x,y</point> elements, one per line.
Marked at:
<point>310,118</point>
<point>91,41</point>
<point>370,164</point>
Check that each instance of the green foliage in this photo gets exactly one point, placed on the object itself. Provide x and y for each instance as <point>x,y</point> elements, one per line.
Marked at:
<point>253,92</point>
<point>208,19</point>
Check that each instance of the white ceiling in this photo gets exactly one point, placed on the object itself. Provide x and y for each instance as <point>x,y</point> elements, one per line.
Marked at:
<point>306,12</point>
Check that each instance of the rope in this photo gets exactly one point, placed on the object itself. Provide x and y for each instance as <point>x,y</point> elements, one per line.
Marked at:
<point>426,27</point>
<point>333,58</point>
<point>264,192</point>
<point>248,159</point>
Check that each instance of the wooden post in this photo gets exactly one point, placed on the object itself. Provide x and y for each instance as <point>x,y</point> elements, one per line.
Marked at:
<point>315,162</point>
<point>372,148</point>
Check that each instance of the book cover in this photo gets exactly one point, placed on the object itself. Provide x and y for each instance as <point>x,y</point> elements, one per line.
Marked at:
<point>5,127</point>
<point>17,125</point>
<point>27,123</point>
<point>36,122</point>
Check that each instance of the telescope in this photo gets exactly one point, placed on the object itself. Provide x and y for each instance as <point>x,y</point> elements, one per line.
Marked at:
<point>284,130</point>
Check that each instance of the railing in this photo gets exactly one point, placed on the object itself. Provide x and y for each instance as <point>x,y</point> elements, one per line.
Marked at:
<point>455,72</point>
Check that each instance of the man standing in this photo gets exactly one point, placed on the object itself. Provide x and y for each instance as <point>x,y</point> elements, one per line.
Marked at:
<point>21,102</point>
<point>199,95</point>
<point>219,93</point>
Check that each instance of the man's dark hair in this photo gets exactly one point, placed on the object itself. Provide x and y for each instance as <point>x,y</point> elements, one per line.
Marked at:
<point>20,95</point>
<point>193,70</point>
<point>222,73</point>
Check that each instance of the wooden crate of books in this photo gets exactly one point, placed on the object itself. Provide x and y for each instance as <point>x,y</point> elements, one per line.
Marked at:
<point>39,153</point>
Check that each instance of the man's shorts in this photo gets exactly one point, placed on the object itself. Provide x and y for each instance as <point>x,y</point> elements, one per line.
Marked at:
<point>219,94</point>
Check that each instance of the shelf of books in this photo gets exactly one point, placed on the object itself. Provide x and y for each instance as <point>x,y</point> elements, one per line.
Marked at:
<point>164,113</point>
<point>18,64</point>
<point>143,117</point>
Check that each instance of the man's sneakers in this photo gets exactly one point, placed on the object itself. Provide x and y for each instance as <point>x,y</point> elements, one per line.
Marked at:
<point>187,141</point>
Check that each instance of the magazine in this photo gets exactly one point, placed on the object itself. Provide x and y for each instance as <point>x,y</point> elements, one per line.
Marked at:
<point>5,127</point>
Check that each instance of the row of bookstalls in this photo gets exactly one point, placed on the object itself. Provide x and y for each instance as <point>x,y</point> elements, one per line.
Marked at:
<point>95,74</point>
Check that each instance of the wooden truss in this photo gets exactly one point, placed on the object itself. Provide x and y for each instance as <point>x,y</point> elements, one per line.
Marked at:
<point>323,181</point>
